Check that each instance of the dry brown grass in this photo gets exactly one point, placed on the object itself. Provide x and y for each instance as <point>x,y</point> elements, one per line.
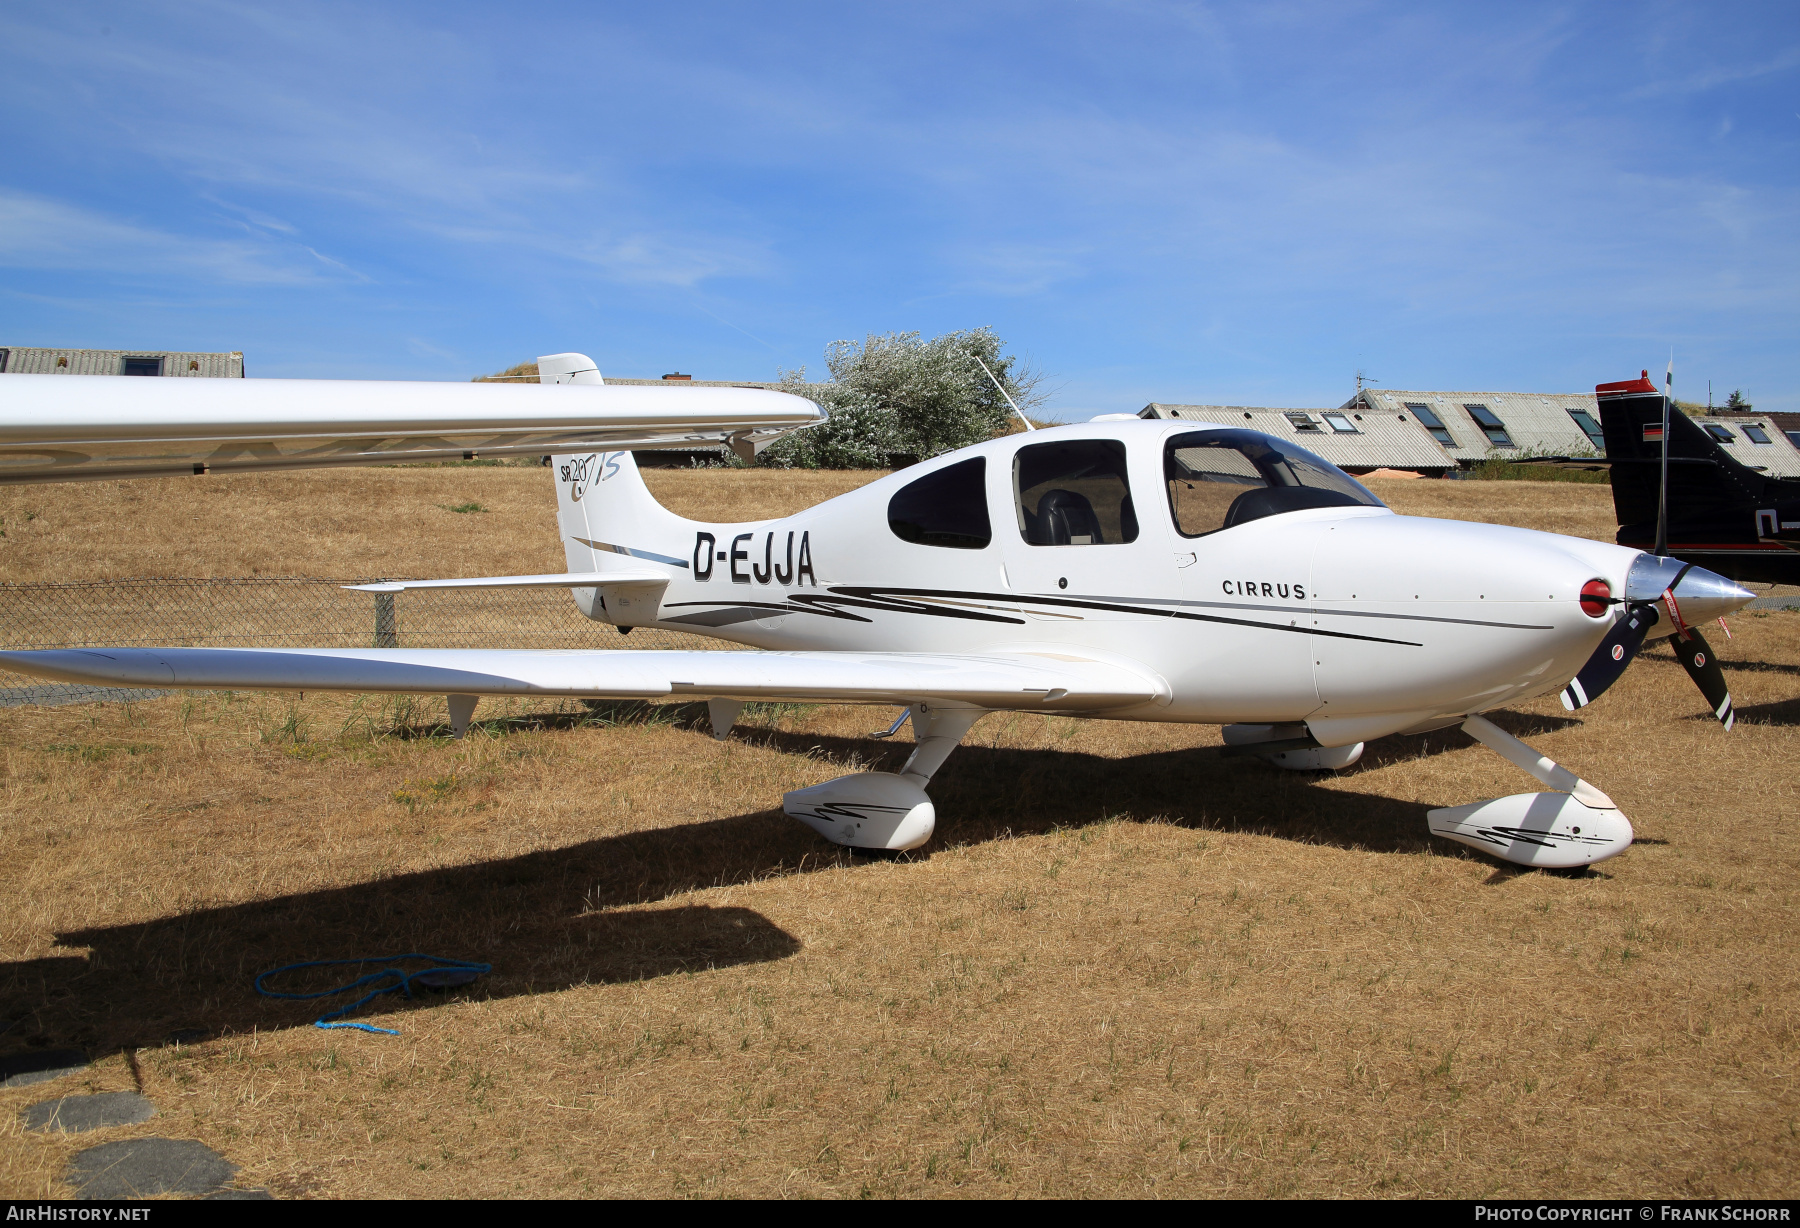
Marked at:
<point>344,522</point>
<point>1553,507</point>
<point>1125,966</point>
<point>397,522</point>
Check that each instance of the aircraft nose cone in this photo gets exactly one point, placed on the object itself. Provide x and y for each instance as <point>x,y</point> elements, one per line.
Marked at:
<point>1704,595</point>
<point>1701,594</point>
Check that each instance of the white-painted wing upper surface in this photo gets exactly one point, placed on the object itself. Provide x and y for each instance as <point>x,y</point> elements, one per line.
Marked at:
<point>1008,680</point>
<point>88,427</point>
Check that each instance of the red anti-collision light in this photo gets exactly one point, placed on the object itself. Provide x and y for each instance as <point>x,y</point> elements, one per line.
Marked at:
<point>1596,598</point>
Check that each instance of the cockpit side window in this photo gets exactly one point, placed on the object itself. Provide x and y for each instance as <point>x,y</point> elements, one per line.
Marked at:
<point>1221,479</point>
<point>1073,493</point>
<point>946,508</point>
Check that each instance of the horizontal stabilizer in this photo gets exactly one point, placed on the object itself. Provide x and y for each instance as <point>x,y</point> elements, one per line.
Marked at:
<point>1015,680</point>
<point>61,428</point>
<point>559,579</point>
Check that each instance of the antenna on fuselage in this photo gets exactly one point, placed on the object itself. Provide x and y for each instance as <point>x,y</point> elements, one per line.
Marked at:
<point>1662,492</point>
<point>1004,393</point>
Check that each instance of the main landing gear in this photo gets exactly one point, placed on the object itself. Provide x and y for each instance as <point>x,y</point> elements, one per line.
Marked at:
<point>886,810</point>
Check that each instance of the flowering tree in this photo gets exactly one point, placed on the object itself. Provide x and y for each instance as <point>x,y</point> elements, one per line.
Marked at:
<point>898,394</point>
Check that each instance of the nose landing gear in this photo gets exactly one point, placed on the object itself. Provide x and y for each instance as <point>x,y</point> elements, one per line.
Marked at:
<point>1576,825</point>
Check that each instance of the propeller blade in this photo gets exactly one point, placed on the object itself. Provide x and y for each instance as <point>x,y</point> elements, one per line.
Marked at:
<point>1611,657</point>
<point>1704,669</point>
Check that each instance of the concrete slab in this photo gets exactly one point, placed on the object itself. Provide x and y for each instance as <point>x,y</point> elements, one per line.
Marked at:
<point>75,1114</point>
<point>137,1168</point>
<point>40,1066</point>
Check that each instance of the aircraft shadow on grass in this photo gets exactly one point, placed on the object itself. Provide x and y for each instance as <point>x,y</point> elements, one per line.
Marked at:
<point>1664,656</point>
<point>1781,712</point>
<point>589,913</point>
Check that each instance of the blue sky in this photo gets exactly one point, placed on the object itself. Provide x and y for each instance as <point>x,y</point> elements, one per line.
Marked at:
<point>1183,202</point>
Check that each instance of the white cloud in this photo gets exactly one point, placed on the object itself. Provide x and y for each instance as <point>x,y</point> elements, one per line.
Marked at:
<point>40,233</point>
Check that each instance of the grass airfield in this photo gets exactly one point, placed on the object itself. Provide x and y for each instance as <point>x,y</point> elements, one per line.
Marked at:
<point>1124,966</point>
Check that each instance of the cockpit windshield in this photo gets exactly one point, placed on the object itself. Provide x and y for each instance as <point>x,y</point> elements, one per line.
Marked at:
<point>1221,479</point>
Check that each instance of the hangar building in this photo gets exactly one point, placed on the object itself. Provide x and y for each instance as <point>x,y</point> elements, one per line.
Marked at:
<point>1470,426</point>
<point>1757,440</point>
<point>36,360</point>
<point>1355,439</point>
<point>1435,433</point>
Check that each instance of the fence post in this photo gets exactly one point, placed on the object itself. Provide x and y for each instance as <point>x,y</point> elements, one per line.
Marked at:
<point>386,626</point>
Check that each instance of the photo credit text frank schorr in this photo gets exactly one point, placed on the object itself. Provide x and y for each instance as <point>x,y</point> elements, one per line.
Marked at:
<point>1634,1213</point>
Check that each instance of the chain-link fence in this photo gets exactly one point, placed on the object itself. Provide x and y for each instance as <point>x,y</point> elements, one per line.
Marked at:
<point>288,612</point>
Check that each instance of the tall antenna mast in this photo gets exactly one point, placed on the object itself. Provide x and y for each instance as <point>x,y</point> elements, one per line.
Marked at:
<point>1662,493</point>
<point>1004,393</point>
<point>1362,379</point>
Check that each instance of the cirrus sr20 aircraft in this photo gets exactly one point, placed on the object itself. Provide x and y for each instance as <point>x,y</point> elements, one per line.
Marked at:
<point>1120,569</point>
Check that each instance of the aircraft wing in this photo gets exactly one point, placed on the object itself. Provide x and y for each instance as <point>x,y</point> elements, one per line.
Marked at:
<point>1024,680</point>
<point>60,428</point>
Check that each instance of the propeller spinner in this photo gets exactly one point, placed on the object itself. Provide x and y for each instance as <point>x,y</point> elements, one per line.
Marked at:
<point>1664,593</point>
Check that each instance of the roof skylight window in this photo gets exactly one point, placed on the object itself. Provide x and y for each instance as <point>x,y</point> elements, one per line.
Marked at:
<point>1432,423</point>
<point>1590,428</point>
<point>1305,423</point>
<point>1341,424</point>
<point>1492,427</point>
<point>1720,432</point>
<point>1755,434</point>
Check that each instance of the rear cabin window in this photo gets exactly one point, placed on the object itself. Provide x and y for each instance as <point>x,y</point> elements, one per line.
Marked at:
<point>1220,479</point>
<point>946,508</point>
<point>1073,493</point>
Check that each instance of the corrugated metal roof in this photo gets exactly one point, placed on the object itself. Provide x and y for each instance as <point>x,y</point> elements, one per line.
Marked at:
<point>1788,424</point>
<point>1381,440</point>
<point>692,383</point>
<point>37,360</point>
<point>1779,458</point>
<point>1536,423</point>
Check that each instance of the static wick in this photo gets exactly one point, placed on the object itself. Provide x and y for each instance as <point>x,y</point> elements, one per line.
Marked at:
<point>1004,393</point>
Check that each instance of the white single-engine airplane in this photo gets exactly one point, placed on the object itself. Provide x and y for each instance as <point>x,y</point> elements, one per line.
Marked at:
<point>1125,570</point>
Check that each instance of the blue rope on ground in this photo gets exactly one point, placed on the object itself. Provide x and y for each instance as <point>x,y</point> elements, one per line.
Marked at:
<point>443,974</point>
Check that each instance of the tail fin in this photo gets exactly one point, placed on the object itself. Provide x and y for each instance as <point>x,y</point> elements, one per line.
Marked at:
<point>568,369</point>
<point>1706,484</point>
<point>604,512</point>
<point>608,518</point>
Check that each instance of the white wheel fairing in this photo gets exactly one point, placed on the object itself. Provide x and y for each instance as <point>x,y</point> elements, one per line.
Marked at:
<point>871,810</point>
<point>1550,831</point>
